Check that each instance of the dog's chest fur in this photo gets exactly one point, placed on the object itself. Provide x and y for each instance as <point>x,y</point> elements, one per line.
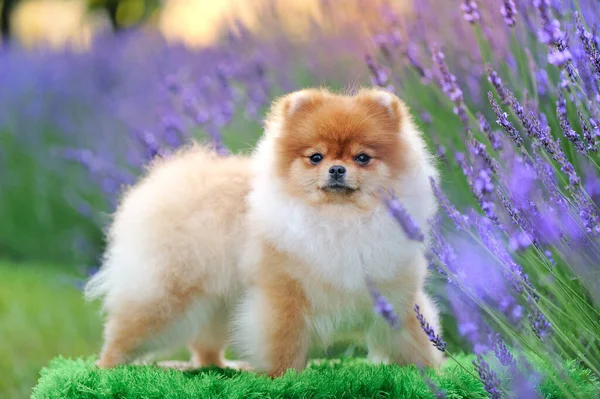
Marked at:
<point>341,249</point>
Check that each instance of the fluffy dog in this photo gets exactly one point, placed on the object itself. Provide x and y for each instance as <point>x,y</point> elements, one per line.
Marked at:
<point>272,251</point>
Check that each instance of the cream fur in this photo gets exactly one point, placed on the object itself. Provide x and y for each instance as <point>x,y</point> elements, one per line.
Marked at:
<point>172,253</point>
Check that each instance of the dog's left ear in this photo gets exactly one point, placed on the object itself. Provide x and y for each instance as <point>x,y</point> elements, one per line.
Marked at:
<point>295,104</point>
<point>383,104</point>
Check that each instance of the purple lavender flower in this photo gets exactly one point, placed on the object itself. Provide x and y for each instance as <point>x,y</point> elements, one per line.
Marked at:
<point>495,80</point>
<point>379,76</point>
<point>449,86</point>
<point>541,79</point>
<point>595,128</point>
<point>504,122</point>
<point>411,56</point>
<point>461,221</point>
<point>435,339</point>
<point>381,41</point>
<point>548,177</point>
<point>437,391</point>
<point>540,326</point>
<point>527,122</point>
<point>508,11</point>
<point>470,11</point>
<point>404,219</point>
<point>550,32</point>
<point>589,45</point>
<point>521,239</point>
<point>382,306</point>
<point>442,251</point>
<point>479,176</point>
<point>501,351</point>
<point>490,380</point>
<point>588,135</point>
<point>484,126</point>
<point>426,117</point>
<point>440,151</point>
<point>560,58</point>
<point>561,112</point>
<point>512,271</point>
<point>554,149</point>
<point>588,212</point>
<point>551,35</point>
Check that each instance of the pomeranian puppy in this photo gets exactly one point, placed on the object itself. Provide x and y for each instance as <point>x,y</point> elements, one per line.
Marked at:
<point>272,252</point>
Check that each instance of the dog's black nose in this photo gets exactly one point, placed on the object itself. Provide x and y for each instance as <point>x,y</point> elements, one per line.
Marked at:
<point>337,171</point>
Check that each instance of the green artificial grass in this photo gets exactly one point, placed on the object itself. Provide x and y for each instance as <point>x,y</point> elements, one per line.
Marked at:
<point>341,378</point>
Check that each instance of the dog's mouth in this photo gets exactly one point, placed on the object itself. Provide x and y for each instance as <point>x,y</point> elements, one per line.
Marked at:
<point>338,188</point>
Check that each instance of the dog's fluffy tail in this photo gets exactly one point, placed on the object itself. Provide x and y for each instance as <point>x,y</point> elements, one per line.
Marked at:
<point>97,286</point>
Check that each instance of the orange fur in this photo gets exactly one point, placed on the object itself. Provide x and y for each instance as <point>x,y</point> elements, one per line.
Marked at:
<point>287,306</point>
<point>339,127</point>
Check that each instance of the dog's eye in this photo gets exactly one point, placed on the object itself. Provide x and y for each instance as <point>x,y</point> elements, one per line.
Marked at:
<point>362,159</point>
<point>316,158</point>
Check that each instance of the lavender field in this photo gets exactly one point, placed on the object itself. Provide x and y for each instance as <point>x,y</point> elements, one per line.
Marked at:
<point>506,91</point>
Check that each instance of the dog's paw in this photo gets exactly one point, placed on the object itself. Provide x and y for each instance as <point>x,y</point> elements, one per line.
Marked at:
<point>176,364</point>
<point>239,365</point>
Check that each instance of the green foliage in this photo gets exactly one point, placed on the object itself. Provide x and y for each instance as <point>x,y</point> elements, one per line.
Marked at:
<point>41,314</point>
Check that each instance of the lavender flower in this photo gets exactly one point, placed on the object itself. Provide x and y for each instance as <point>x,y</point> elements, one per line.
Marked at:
<point>588,135</point>
<point>449,86</point>
<point>550,32</point>
<point>151,145</point>
<point>553,149</point>
<point>561,112</point>
<point>435,339</point>
<point>416,64</point>
<point>443,251</point>
<point>484,126</point>
<point>589,45</point>
<point>504,122</point>
<point>461,221</point>
<point>551,35</point>
<point>479,178</point>
<point>490,380</point>
<point>379,76</point>
<point>541,79</point>
<point>426,117</point>
<point>525,237</point>
<point>381,41</point>
<point>588,212</point>
<point>561,58</point>
<point>495,80</point>
<point>540,326</point>
<point>508,11</point>
<point>501,351</point>
<point>404,219</point>
<point>382,306</point>
<point>520,112</point>
<point>513,272</point>
<point>438,392</point>
<point>595,128</point>
<point>470,10</point>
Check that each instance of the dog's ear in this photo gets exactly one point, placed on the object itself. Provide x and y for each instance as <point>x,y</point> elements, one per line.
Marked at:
<point>303,101</point>
<point>295,104</point>
<point>384,104</point>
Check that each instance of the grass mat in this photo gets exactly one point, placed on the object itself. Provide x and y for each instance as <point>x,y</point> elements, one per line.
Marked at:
<point>341,378</point>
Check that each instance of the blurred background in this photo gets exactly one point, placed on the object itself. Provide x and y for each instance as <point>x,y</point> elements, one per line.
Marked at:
<point>90,91</point>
